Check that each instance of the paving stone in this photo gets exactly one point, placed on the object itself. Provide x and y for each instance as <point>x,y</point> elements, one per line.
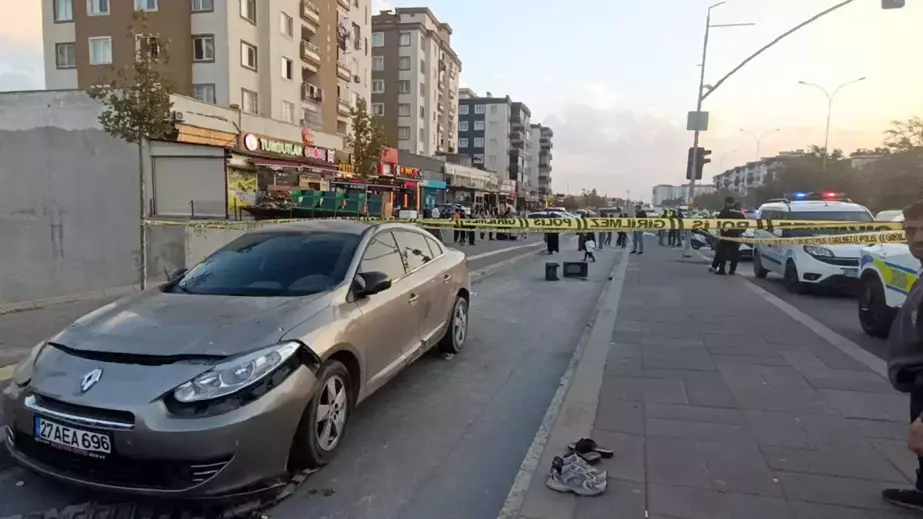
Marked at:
<point>679,342</point>
<point>828,428</point>
<point>875,406</point>
<point>620,350</point>
<point>697,430</point>
<point>624,367</point>
<point>653,351</point>
<point>758,375</point>
<point>762,351</point>
<point>710,393</point>
<point>682,374</point>
<point>739,467</point>
<point>693,363</point>
<point>628,461</point>
<point>900,457</point>
<point>692,413</point>
<point>820,511</point>
<point>865,386</point>
<point>621,499</point>
<point>622,325</point>
<point>645,390</point>
<point>860,460</point>
<point>734,339</point>
<point>697,503</point>
<point>836,359</point>
<point>856,493</point>
<point>622,416</point>
<point>785,399</point>
<point>676,462</point>
<point>880,428</point>
<point>776,429</point>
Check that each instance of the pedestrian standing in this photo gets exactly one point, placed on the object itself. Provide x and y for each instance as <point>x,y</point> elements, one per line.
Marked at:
<point>622,240</point>
<point>728,251</point>
<point>589,247</point>
<point>678,215</point>
<point>637,237</point>
<point>436,230</point>
<point>459,234</point>
<point>662,234</point>
<point>905,361</point>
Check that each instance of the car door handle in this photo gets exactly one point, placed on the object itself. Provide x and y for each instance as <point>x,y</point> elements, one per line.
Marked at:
<point>413,298</point>
<point>446,278</point>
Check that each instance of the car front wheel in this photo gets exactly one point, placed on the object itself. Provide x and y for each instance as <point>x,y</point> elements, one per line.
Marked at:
<point>792,280</point>
<point>323,424</point>
<point>457,332</point>
<point>875,315</point>
<point>758,269</point>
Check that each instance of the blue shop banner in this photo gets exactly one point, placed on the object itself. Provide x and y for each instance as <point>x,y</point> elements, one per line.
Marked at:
<point>434,184</point>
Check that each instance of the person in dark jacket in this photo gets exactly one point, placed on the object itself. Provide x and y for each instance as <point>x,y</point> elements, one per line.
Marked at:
<point>622,240</point>
<point>727,250</point>
<point>637,237</point>
<point>905,361</point>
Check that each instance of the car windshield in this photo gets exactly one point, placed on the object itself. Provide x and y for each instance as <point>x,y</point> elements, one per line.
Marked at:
<point>824,216</point>
<point>272,264</point>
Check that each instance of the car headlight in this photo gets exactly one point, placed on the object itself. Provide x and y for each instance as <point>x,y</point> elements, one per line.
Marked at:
<point>22,373</point>
<point>235,374</point>
<point>818,251</point>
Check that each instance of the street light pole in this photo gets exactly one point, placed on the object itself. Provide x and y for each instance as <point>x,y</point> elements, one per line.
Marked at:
<point>759,139</point>
<point>721,159</point>
<point>829,111</point>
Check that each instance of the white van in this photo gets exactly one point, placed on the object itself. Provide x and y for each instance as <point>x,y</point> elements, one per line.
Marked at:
<point>803,266</point>
<point>887,271</point>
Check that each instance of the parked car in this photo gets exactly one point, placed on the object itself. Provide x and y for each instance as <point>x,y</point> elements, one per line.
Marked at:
<point>887,271</point>
<point>240,369</point>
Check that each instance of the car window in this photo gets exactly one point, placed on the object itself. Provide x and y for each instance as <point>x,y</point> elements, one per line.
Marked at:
<point>264,264</point>
<point>825,216</point>
<point>414,247</point>
<point>434,246</point>
<point>382,255</point>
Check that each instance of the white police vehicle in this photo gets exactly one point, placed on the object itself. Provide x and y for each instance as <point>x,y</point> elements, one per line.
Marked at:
<point>886,273</point>
<point>803,266</point>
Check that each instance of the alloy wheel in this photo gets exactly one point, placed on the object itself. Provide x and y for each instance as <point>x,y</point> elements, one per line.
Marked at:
<point>332,411</point>
<point>460,323</point>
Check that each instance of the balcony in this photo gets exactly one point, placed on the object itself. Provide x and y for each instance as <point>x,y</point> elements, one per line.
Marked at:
<point>343,71</point>
<point>516,136</point>
<point>311,93</point>
<point>343,107</point>
<point>310,53</point>
<point>310,13</point>
<point>344,4</point>
<point>441,108</point>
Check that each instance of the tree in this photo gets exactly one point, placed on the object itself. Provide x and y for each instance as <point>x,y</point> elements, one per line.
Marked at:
<point>905,135</point>
<point>673,202</point>
<point>137,107</point>
<point>367,141</point>
<point>714,201</point>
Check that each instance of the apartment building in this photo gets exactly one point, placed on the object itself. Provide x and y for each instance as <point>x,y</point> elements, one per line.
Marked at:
<point>415,80</point>
<point>752,175</point>
<point>665,192</point>
<point>298,61</point>
<point>545,135</point>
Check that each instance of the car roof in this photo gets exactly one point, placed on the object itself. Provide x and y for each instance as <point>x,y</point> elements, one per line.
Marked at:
<point>813,206</point>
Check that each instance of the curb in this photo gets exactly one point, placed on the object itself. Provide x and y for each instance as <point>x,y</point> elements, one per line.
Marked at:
<point>572,411</point>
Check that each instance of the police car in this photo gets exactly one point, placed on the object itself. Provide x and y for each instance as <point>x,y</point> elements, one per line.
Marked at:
<point>803,266</point>
<point>886,273</point>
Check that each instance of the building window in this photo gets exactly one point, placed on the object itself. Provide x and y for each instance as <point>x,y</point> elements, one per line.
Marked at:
<point>479,158</point>
<point>64,10</point>
<point>463,143</point>
<point>65,55</point>
<point>286,25</point>
<point>479,142</point>
<point>97,7</point>
<point>463,126</point>
<point>403,86</point>
<point>248,55</point>
<point>463,109</point>
<point>288,69</point>
<point>378,62</point>
<point>378,39</point>
<point>101,50</point>
<point>403,63</point>
<point>403,110</point>
<point>249,101</point>
<point>493,109</point>
<point>145,5</point>
<point>422,134</point>
<point>200,6</point>
<point>403,133</point>
<point>405,39</point>
<point>248,10</point>
<point>378,109</point>
<point>479,109</point>
<point>288,111</point>
<point>203,48</point>
<point>204,92</point>
<point>422,66</point>
<point>378,86</point>
<point>478,126</point>
<point>422,112</point>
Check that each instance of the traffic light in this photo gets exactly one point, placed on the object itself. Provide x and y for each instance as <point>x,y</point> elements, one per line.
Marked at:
<point>892,4</point>
<point>701,159</point>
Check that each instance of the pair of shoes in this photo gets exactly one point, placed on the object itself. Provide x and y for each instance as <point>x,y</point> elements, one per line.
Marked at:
<point>731,273</point>
<point>711,269</point>
<point>719,273</point>
<point>632,252</point>
<point>572,474</point>
<point>904,497</point>
<point>589,450</point>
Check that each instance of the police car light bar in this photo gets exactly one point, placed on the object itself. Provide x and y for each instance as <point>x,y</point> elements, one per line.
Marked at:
<point>825,195</point>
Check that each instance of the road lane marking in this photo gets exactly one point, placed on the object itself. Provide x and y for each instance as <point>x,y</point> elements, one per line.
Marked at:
<point>501,251</point>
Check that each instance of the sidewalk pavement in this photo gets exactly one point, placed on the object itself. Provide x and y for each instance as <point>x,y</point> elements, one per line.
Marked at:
<point>720,406</point>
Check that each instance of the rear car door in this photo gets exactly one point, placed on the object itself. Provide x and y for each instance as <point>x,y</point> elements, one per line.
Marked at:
<point>423,279</point>
<point>390,318</point>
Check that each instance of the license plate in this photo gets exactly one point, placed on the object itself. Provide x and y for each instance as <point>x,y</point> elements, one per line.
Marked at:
<point>851,273</point>
<point>78,441</point>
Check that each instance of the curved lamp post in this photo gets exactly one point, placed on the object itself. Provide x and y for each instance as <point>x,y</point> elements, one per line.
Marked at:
<point>830,97</point>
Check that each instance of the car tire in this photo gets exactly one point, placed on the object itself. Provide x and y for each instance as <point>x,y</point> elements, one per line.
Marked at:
<point>875,315</point>
<point>758,269</point>
<point>456,333</point>
<point>310,448</point>
<point>793,282</point>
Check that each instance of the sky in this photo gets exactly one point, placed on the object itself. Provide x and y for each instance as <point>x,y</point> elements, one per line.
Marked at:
<point>616,78</point>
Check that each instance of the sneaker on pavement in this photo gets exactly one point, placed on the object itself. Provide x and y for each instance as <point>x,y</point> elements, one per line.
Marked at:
<point>571,478</point>
<point>904,497</point>
<point>575,461</point>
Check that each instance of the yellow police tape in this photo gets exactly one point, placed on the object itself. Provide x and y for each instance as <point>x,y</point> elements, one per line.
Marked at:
<point>574,224</point>
<point>865,238</point>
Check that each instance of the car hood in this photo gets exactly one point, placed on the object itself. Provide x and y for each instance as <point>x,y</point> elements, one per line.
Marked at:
<point>157,323</point>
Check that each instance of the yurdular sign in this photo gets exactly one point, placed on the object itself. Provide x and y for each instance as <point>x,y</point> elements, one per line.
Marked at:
<point>292,149</point>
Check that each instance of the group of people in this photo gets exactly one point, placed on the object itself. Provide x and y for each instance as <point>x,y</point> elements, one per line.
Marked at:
<point>673,237</point>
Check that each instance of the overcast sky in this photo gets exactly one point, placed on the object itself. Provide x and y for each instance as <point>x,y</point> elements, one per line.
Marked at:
<point>615,79</point>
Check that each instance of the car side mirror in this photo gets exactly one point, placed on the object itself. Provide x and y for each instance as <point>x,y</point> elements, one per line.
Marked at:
<point>369,283</point>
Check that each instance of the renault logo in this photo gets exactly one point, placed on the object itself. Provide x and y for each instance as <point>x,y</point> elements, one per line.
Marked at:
<point>90,379</point>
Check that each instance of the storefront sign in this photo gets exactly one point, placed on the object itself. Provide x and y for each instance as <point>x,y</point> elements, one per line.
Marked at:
<point>435,184</point>
<point>406,172</point>
<point>292,149</point>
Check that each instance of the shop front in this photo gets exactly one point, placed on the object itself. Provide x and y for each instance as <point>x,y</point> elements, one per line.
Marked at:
<point>433,192</point>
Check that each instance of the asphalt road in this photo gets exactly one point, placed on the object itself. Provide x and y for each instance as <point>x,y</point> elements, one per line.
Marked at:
<point>446,438</point>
